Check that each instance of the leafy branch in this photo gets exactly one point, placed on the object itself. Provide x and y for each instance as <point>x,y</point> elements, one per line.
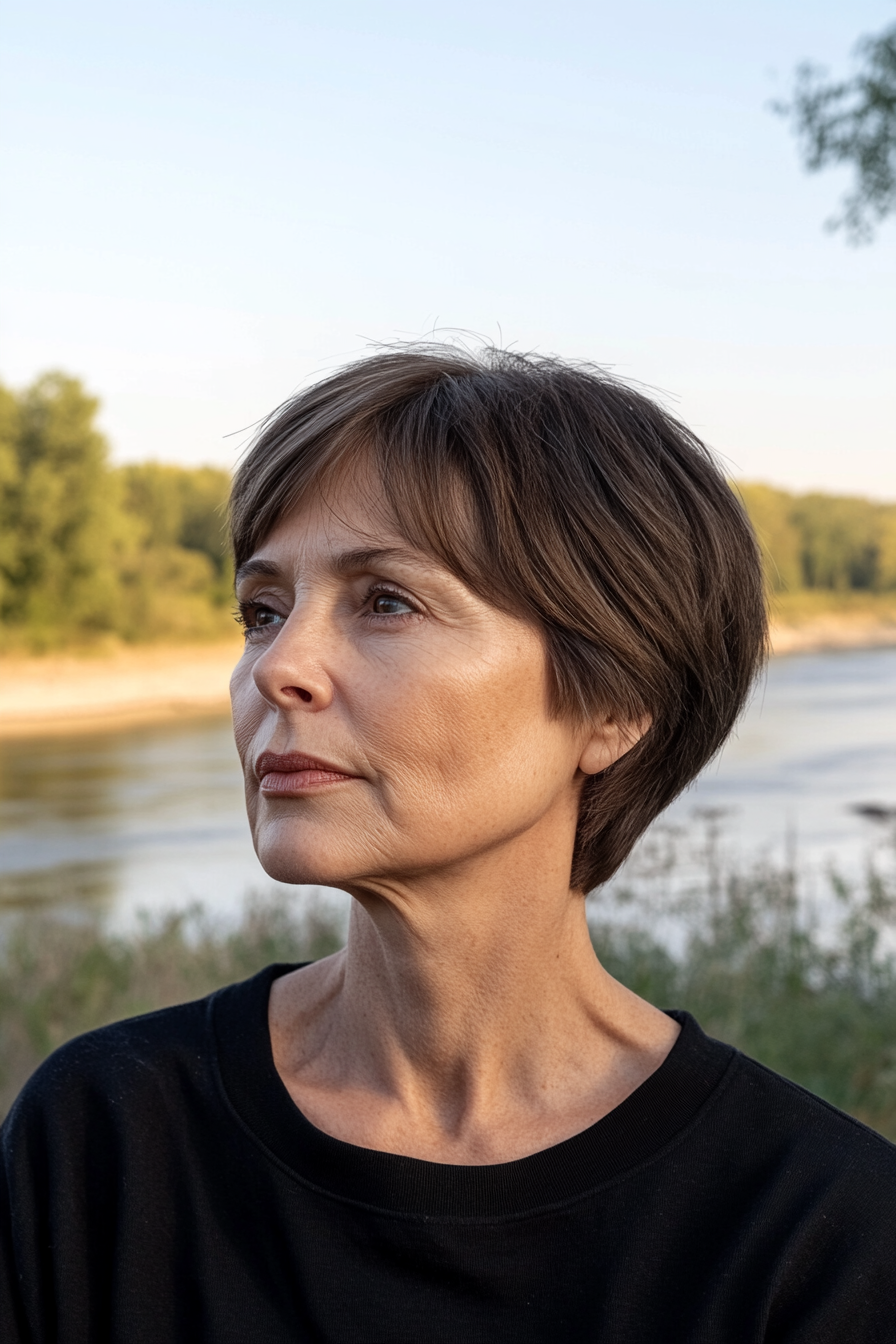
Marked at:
<point>852,122</point>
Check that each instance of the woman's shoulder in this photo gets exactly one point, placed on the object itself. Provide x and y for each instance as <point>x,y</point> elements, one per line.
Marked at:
<point>768,1096</point>
<point>796,1143</point>
<point>132,1071</point>
<point>100,1068</point>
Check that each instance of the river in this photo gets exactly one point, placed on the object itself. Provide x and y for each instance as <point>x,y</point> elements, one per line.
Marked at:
<point>152,817</point>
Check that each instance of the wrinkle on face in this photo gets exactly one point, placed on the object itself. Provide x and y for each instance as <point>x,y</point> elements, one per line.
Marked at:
<point>447,717</point>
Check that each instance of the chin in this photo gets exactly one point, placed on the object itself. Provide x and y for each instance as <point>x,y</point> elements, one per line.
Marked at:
<point>304,860</point>
<point>299,870</point>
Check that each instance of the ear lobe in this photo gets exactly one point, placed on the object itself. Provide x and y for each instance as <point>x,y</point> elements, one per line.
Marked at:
<point>610,740</point>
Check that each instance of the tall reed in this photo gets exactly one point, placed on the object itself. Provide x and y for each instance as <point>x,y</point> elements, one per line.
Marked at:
<point>801,977</point>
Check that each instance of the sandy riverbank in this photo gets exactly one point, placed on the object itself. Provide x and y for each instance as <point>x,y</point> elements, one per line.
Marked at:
<point>836,631</point>
<point>65,693</point>
<point>62,693</point>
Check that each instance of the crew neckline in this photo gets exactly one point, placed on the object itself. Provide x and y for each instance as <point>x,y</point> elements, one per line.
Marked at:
<point>649,1118</point>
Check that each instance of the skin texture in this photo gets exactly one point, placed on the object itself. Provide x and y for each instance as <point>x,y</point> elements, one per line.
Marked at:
<point>468,1019</point>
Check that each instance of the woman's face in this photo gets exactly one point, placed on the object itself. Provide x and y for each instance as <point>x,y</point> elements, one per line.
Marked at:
<point>391,724</point>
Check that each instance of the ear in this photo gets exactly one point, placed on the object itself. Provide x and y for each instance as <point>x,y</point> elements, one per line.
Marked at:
<point>610,739</point>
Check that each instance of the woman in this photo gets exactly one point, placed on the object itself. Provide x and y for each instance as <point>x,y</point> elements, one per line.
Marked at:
<point>499,611</point>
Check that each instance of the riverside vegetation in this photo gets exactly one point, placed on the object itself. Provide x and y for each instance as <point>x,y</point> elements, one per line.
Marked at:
<point>746,950</point>
<point>93,554</point>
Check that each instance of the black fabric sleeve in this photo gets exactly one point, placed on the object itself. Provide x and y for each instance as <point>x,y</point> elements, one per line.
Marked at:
<point>45,1147</point>
<point>13,1326</point>
<point>79,1151</point>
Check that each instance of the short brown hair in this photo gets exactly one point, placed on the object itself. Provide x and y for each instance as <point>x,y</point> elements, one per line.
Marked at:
<point>559,493</point>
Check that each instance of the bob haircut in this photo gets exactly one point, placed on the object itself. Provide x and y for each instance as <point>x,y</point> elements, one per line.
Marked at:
<point>560,494</point>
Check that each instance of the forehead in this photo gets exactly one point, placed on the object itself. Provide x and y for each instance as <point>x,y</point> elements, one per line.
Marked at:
<point>346,525</point>
<point>350,518</point>
<point>349,506</point>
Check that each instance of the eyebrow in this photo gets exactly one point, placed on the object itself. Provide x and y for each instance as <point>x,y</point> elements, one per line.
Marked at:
<point>346,562</point>
<point>251,569</point>
<point>354,562</point>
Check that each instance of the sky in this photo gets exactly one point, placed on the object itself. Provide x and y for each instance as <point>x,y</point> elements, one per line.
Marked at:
<point>208,205</point>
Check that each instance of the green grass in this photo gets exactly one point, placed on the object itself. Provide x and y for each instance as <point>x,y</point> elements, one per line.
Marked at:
<point>805,605</point>
<point>813,998</point>
<point>803,980</point>
<point>58,978</point>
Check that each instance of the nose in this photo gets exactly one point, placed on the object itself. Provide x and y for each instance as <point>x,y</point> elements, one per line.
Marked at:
<point>291,674</point>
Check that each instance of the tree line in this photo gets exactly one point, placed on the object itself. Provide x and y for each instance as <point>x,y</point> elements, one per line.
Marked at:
<point>831,543</point>
<point>91,552</point>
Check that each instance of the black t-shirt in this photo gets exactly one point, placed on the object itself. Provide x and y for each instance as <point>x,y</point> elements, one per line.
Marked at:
<point>160,1185</point>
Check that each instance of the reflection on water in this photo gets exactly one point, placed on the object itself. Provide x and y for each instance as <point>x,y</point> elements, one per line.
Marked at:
<point>146,817</point>
<point>153,816</point>
<point>818,740</point>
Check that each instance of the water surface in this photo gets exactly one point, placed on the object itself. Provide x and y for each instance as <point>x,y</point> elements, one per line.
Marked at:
<point>152,817</point>
<point>818,740</point>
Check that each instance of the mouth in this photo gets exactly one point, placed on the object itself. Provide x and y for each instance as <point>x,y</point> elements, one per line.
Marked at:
<point>292,774</point>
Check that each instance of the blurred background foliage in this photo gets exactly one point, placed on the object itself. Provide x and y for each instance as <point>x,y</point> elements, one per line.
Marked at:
<point>803,980</point>
<point>91,553</point>
<point>818,542</point>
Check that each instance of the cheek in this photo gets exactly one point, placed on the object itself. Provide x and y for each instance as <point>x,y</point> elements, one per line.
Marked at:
<point>248,709</point>
<point>476,728</point>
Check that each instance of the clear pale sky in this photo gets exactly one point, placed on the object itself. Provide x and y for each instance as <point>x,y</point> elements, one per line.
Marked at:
<point>208,203</point>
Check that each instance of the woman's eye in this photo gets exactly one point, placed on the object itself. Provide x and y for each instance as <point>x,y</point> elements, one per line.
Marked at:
<point>256,617</point>
<point>389,604</point>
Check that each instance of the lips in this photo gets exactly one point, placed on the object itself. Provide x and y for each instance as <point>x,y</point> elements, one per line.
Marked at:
<point>293,772</point>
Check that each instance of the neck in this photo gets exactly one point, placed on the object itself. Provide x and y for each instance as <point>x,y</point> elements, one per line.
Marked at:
<point>467,1018</point>
<point>455,986</point>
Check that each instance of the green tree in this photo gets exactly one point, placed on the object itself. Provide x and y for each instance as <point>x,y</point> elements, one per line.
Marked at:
<point>852,122</point>
<point>832,543</point>
<point>771,513</point>
<point>9,482</point>
<point>204,524</point>
<point>60,513</point>
<point>176,571</point>
<point>87,550</point>
<point>839,541</point>
<point>887,549</point>
<point>181,506</point>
